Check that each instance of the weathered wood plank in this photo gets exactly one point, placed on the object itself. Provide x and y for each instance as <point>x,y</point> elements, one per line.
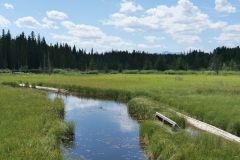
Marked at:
<point>166,119</point>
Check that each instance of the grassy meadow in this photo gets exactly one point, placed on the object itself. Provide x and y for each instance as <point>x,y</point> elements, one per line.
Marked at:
<point>31,125</point>
<point>210,98</point>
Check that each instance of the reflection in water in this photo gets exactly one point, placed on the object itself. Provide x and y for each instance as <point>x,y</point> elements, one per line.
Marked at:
<point>103,130</point>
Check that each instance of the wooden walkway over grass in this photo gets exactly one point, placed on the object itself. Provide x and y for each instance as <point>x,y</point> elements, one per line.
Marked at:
<point>210,128</point>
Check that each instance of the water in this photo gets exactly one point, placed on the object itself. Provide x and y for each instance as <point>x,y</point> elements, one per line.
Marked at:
<point>103,130</point>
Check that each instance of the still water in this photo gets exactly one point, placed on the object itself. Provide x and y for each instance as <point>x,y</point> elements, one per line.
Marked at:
<point>103,130</point>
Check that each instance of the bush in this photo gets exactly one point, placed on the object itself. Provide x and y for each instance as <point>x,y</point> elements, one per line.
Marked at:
<point>5,71</point>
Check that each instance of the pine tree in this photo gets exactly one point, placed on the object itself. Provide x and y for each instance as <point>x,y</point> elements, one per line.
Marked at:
<point>161,64</point>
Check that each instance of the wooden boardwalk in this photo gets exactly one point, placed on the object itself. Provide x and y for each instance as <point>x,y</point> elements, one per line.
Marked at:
<point>210,128</point>
<point>44,88</point>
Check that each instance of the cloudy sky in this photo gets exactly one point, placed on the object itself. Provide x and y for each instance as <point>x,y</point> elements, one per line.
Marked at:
<point>150,25</point>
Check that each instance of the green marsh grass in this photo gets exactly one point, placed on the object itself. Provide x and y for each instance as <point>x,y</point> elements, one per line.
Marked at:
<point>163,143</point>
<point>208,97</point>
<point>31,125</point>
<point>143,108</point>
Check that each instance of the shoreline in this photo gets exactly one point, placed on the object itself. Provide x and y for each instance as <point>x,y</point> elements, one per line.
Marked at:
<point>192,121</point>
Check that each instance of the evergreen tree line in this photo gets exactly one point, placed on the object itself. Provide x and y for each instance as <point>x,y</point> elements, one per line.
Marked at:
<point>32,52</point>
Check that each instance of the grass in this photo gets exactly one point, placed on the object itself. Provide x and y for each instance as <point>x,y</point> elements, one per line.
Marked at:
<point>144,108</point>
<point>31,125</point>
<point>207,97</point>
<point>166,144</point>
<point>210,98</point>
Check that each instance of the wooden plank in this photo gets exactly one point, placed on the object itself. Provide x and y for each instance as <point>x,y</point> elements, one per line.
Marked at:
<point>166,119</point>
<point>210,128</point>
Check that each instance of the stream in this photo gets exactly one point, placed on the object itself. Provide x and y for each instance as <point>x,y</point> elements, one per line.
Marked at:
<point>103,130</point>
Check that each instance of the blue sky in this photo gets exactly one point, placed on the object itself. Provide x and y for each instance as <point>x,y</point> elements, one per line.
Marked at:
<point>149,25</point>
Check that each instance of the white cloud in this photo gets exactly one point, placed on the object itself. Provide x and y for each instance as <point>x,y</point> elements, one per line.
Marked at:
<point>224,6</point>
<point>32,23</point>
<point>56,15</point>
<point>4,22</point>
<point>230,35</point>
<point>183,21</point>
<point>105,43</point>
<point>187,38</point>
<point>48,24</point>
<point>87,36</point>
<point>128,23</point>
<point>152,39</point>
<point>129,6</point>
<point>8,6</point>
<point>82,30</point>
<point>228,38</point>
<point>63,38</point>
<point>150,46</point>
<point>131,29</point>
<point>234,28</point>
<point>27,22</point>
